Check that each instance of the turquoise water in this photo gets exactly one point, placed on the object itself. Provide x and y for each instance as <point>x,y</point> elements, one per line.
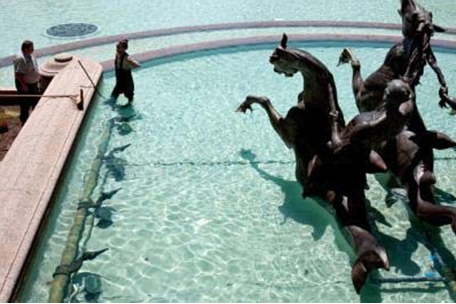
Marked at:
<point>209,210</point>
<point>22,19</point>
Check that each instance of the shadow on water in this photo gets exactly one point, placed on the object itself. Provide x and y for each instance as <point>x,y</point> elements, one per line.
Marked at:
<point>126,114</point>
<point>307,212</point>
<point>123,109</point>
<point>444,197</point>
<point>400,252</point>
<point>371,292</point>
<point>304,211</point>
<point>104,216</point>
<point>451,158</point>
<point>87,287</point>
<point>115,164</point>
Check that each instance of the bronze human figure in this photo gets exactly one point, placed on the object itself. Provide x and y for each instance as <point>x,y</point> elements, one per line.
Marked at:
<point>417,30</point>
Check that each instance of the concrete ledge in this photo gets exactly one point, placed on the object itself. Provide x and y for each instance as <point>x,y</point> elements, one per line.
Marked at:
<point>265,40</point>
<point>6,61</point>
<point>31,169</point>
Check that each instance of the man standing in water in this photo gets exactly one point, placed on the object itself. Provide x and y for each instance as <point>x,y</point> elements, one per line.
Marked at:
<point>124,78</point>
<point>27,77</point>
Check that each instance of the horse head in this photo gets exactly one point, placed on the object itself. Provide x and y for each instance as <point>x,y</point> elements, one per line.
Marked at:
<point>416,20</point>
<point>284,61</point>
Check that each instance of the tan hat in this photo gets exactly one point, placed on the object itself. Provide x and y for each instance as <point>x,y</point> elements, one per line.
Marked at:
<point>53,67</point>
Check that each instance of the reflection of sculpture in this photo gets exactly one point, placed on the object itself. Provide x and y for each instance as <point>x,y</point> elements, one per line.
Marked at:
<point>332,158</point>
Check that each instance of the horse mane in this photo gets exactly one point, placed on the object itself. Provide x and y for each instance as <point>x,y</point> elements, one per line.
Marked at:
<point>322,73</point>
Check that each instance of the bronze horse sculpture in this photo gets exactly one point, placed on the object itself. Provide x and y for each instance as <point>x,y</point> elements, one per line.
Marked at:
<point>368,95</point>
<point>409,156</point>
<point>331,158</point>
<point>406,59</point>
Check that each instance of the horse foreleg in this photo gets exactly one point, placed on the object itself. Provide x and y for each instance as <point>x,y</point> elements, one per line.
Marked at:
<point>370,255</point>
<point>428,211</point>
<point>277,121</point>
<point>348,56</point>
<point>423,205</point>
<point>351,214</point>
<point>439,140</point>
<point>279,124</point>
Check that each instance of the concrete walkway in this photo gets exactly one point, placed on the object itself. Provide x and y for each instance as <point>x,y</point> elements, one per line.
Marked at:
<point>31,170</point>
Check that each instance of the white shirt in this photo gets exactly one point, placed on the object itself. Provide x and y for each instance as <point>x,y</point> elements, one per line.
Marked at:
<point>28,66</point>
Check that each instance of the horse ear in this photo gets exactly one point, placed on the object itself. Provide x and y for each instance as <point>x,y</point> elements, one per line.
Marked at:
<point>284,41</point>
<point>439,29</point>
<point>405,4</point>
<point>400,13</point>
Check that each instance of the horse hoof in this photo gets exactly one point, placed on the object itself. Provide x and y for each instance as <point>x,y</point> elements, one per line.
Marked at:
<point>344,57</point>
<point>365,263</point>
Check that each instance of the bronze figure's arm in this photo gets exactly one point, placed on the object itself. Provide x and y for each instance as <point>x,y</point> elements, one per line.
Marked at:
<point>445,99</point>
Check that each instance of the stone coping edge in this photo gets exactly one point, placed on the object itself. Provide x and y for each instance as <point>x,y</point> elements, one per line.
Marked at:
<point>51,50</point>
<point>32,168</point>
<point>143,57</point>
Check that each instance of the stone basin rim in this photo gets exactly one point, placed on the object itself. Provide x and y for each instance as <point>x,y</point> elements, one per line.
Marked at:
<point>87,43</point>
<point>167,52</point>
